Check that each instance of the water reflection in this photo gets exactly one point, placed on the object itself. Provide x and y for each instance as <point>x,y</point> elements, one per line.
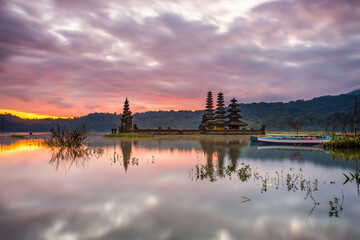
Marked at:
<point>125,158</point>
<point>67,157</point>
<point>255,193</point>
<point>220,148</point>
<point>9,145</point>
<point>294,180</point>
<point>336,206</point>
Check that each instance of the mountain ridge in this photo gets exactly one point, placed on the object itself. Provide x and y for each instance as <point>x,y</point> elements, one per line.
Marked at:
<point>316,114</point>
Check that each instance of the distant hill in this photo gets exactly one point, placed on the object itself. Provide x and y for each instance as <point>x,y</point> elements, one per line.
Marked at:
<point>316,114</point>
<point>355,92</point>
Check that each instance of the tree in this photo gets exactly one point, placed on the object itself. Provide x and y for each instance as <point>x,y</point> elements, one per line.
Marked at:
<point>296,126</point>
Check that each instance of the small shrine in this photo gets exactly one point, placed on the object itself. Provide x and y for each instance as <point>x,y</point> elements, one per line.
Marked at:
<point>126,118</point>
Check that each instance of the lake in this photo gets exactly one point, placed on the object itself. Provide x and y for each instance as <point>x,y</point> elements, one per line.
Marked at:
<point>213,187</point>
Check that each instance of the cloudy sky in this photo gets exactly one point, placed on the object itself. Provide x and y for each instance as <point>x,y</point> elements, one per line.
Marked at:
<point>73,57</point>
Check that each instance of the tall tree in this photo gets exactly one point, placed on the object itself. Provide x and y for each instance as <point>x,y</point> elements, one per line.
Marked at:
<point>296,126</point>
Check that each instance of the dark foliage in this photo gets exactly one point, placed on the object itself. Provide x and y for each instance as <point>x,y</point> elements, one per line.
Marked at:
<point>318,114</point>
<point>63,136</point>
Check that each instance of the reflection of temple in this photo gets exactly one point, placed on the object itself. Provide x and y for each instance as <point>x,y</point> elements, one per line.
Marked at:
<point>221,148</point>
<point>234,150</point>
<point>126,151</point>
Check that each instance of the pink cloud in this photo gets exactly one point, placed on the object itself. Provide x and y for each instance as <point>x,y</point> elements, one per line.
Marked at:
<point>83,59</point>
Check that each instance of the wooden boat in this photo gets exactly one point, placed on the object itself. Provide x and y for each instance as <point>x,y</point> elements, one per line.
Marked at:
<point>254,138</point>
<point>293,140</point>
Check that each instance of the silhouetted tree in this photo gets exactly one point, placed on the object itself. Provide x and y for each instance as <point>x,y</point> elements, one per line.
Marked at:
<point>296,126</point>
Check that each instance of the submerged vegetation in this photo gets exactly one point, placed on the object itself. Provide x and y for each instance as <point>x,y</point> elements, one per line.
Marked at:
<point>64,136</point>
<point>353,176</point>
<point>129,135</point>
<point>293,179</point>
<point>69,147</point>
<point>67,157</point>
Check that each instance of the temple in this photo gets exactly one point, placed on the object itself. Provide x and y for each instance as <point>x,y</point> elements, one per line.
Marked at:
<point>126,118</point>
<point>219,122</point>
<point>208,117</point>
<point>216,122</point>
<point>220,112</point>
<point>234,116</point>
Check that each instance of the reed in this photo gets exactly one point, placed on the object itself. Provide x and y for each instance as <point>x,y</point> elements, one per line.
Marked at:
<point>128,135</point>
<point>65,137</point>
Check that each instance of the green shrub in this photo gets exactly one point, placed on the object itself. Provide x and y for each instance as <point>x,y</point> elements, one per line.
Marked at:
<point>347,142</point>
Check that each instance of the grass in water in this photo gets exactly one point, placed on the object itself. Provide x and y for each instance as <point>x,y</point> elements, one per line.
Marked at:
<point>129,135</point>
<point>345,142</point>
<point>65,137</point>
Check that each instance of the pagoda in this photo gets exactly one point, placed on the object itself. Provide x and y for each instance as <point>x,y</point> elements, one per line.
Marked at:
<point>126,118</point>
<point>220,113</point>
<point>208,117</point>
<point>234,116</point>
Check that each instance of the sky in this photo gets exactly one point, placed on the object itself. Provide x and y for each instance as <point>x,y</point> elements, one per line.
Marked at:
<point>73,57</point>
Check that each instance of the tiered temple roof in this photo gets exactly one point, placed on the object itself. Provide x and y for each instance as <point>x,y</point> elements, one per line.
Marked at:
<point>209,121</point>
<point>220,112</point>
<point>126,118</point>
<point>208,117</point>
<point>234,116</point>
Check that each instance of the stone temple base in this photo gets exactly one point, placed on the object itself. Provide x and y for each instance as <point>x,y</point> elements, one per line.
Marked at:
<point>196,131</point>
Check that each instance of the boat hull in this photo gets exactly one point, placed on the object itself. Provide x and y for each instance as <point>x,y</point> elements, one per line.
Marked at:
<point>293,141</point>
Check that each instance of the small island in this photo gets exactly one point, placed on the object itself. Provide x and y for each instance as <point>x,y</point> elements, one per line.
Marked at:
<point>214,121</point>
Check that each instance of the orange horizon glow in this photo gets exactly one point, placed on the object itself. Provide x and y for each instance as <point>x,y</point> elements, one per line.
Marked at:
<point>28,115</point>
<point>21,146</point>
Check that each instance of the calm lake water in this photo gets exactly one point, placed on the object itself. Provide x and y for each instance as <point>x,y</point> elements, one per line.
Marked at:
<point>175,188</point>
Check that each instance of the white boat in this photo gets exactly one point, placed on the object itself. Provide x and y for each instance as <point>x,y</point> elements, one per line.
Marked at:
<point>293,140</point>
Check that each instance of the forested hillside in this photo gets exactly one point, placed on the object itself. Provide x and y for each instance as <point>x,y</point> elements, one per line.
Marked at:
<point>318,114</point>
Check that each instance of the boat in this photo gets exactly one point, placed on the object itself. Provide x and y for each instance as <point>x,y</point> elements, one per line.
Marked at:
<point>293,140</point>
<point>288,147</point>
<point>254,139</point>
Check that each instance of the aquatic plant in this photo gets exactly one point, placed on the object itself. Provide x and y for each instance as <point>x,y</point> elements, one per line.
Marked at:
<point>66,137</point>
<point>352,176</point>
<point>205,171</point>
<point>345,142</point>
<point>67,157</point>
<point>129,135</point>
<point>336,207</point>
<point>244,173</point>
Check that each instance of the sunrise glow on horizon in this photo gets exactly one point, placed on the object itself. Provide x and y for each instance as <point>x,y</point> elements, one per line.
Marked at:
<point>25,115</point>
<point>69,58</point>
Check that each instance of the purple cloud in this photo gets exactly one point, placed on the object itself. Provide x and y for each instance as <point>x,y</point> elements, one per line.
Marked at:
<point>69,56</point>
